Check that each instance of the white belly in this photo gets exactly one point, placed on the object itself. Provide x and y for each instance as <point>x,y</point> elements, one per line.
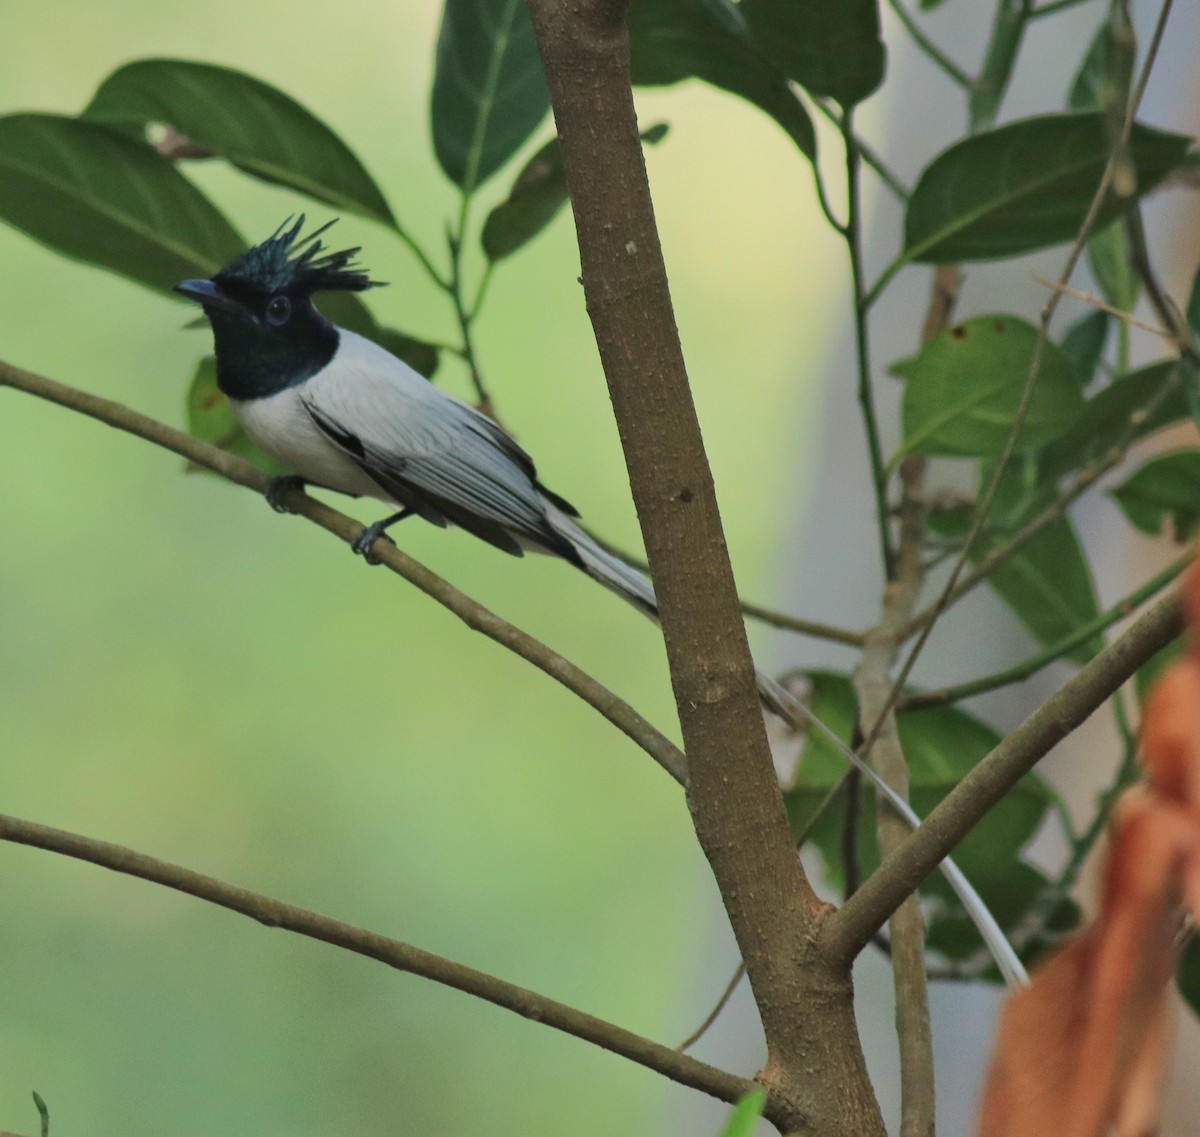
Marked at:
<point>281,427</point>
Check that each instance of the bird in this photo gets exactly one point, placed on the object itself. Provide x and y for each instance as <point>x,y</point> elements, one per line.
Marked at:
<point>343,413</point>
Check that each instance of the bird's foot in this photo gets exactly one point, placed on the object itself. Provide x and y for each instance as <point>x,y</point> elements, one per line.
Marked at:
<point>278,486</point>
<point>363,542</point>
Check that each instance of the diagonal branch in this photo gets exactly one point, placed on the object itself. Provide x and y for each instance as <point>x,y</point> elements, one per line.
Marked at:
<point>394,953</point>
<point>472,613</point>
<point>849,931</point>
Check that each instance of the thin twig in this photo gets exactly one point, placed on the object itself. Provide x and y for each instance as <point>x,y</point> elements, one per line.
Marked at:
<point>472,613</point>
<point>870,155</point>
<point>931,49</point>
<point>1090,298</point>
<point>394,953</point>
<point>1034,664</point>
<point>866,396</point>
<point>755,611</point>
<point>700,1031</point>
<point>1117,149</point>
<point>850,929</point>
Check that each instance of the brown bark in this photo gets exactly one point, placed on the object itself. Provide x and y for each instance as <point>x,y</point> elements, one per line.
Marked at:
<point>815,1069</point>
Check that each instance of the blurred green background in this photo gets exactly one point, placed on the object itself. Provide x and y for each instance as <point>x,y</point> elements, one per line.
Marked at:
<point>184,672</point>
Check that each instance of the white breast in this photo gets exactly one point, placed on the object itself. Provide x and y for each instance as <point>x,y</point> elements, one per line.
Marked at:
<point>281,427</point>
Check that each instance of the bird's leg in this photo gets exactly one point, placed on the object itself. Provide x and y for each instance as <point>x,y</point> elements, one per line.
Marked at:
<point>368,537</point>
<point>278,486</point>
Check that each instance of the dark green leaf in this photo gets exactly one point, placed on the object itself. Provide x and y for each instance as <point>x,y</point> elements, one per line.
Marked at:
<point>252,124</point>
<point>489,93</point>
<point>744,1120</point>
<point>348,311</point>
<point>961,393</point>
<point>1048,585</point>
<point>539,192</point>
<point>1023,186</point>
<point>1117,416</point>
<point>830,47</point>
<point>1009,891</point>
<point>1165,489</point>
<point>210,419</point>
<point>1109,259</point>
<point>673,40</point>
<point>1103,79</point>
<point>1187,974</point>
<point>1193,305</point>
<point>97,195</point>
<point>941,745</point>
<point>1084,343</point>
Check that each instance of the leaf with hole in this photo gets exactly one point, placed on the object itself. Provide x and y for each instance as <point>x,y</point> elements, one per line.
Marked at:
<point>1164,495</point>
<point>240,118</point>
<point>961,393</point>
<point>97,195</point>
<point>537,195</point>
<point>1024,186</point>
<point>489,93</point>
<point>673,40</point>
<point>830,47</point>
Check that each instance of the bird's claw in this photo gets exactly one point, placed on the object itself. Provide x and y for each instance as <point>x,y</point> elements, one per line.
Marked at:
<point>278,486</point>
<point>363,542</point>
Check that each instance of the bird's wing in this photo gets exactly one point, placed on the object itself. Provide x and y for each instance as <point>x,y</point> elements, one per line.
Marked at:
<point>434,453</point>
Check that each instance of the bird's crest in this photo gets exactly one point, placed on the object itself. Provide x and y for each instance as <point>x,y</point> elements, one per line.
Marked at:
<point>300,266</point>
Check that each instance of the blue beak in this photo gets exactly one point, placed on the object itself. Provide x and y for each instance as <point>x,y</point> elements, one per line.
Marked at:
<point>208,295</point>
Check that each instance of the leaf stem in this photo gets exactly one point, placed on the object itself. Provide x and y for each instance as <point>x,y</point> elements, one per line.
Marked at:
<point>1035,663</point>
<point>422,257</point>
<point>931,49</point>
<point>866,396</point>
<point>870,156</point>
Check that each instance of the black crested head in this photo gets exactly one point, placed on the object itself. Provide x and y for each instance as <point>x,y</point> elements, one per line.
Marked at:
<point>296,266</point>
<point>267,333</point>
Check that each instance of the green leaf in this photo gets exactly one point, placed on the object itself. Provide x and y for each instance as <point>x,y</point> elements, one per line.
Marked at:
<point>1105,74</point>
<point>1084,344</point>
<point>1193,305</point>
<point>941,745</point>
<point>539,192</point>
<point>1048,585</point>
<point>489,93</point>
<point>209,418</point>
<point>1187,974</point>
<point>348,311</point>
<point>252,124</point>
<point>96,195</point>
<point>673,40</point>
<point>830,47</point>
<point>1110,261</point>
<point>1165,489</point>
<point>744,1119</point>
<point>1115,416</point>
<point>1010,891</point>
<point>1024,186</point>
<point>962,392</point>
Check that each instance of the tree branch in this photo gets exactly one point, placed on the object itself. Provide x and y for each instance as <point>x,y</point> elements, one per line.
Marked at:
<point>394,953</point>
<point>472,613</point>
<point>851,928</point>
<point>817,1066</point>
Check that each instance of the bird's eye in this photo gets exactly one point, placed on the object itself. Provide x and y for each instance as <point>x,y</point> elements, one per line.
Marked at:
<point>279,310</point>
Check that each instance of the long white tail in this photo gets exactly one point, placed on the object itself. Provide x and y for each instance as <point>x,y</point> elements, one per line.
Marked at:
<point>635,587</point>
